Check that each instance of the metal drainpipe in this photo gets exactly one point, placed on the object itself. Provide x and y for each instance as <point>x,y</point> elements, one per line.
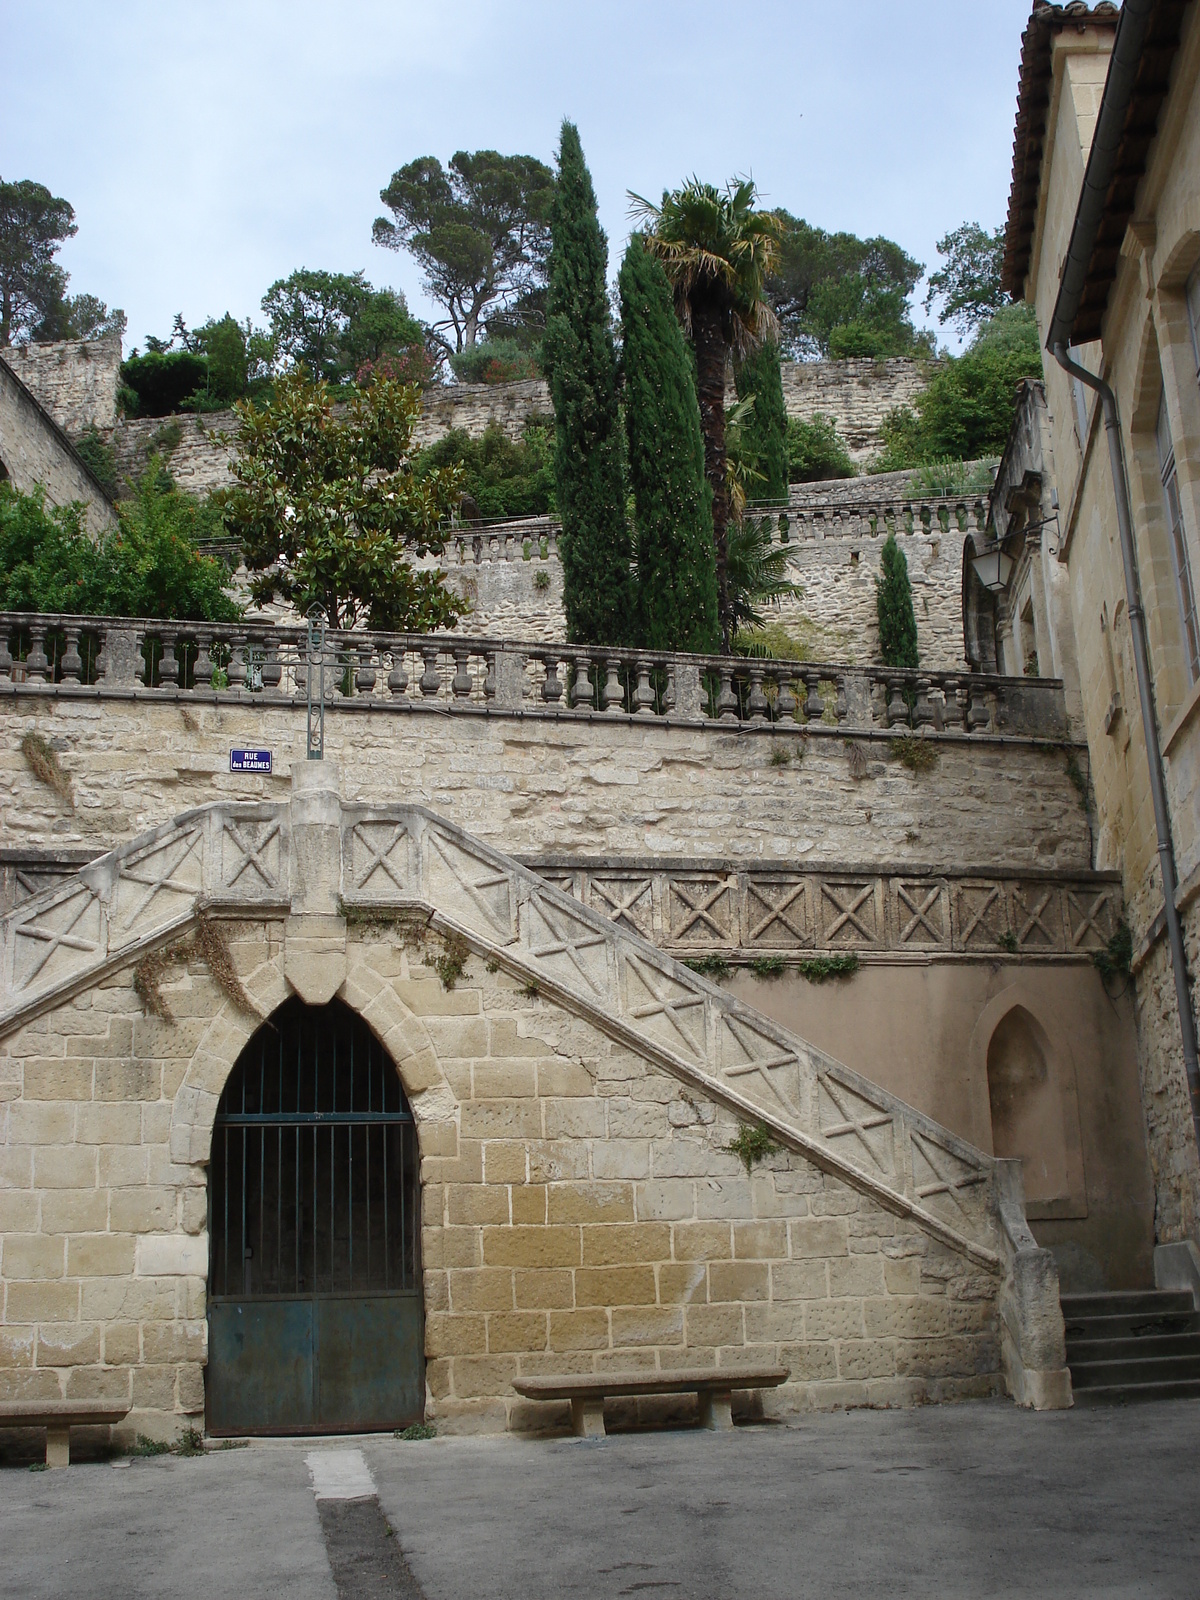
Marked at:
<point>1158,788</point>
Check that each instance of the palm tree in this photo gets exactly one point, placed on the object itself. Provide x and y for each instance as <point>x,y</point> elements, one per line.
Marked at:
<point>717,251</point>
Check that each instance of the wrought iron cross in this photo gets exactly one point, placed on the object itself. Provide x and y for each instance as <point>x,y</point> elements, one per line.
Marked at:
<point>315,669</point>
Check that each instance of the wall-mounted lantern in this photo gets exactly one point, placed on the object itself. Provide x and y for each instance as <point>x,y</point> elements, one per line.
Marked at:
<point>993,567</point>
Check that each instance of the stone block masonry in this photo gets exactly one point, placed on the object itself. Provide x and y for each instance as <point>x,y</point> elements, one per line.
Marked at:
<point>76,380</point>
<point>35,451</point>
<point>536,783</point>
<point>579,1211</point>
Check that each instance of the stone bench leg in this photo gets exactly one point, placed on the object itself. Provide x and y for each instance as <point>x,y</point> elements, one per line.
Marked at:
<point>58,1445</point>
<point>587,1418</point>
<point>716,1408</point>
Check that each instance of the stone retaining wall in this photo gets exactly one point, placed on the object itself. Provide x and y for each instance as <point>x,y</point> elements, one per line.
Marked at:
<point>34,452</point>
<point>75,379</point>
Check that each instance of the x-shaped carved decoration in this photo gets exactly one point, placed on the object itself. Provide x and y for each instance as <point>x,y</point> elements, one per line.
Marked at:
<point>945,1183</point>
<point>618,908</point>
<point>379,857</point>
<point>663,1004</point>
<point>251,853</point>
<point>763,1066</point>
<point>156,883</point>
<point>54,938</point>
<point>777,911</point>
<point>563,944</point>
<point>700,908</point>
<point>1034,920</point>
<point>859,1126</point>
<point>857,896</point>
<point>1089,916</point>
<point>990,895</point>
<point>920,912</point>
<point>493,878</point>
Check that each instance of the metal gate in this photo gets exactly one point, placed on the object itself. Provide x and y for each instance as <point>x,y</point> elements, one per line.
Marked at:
<point>314,1305</point>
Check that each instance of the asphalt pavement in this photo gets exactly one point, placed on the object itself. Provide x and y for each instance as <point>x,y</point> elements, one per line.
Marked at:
<point>947,1502</point>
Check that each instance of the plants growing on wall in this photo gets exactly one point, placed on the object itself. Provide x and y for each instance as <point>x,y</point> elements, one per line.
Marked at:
<point>676,567</point>
<point>816,451</point>
<point>500,477</point>
<point>581,367</point>
<point>326,508</point>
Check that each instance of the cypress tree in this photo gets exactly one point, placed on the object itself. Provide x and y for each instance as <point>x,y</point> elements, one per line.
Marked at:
<point>766,427</point>
<point>676,561</point>
<point>894,602</point>
<point>581,367</point>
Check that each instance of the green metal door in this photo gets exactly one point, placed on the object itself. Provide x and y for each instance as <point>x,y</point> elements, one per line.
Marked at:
<point>315,1315</point>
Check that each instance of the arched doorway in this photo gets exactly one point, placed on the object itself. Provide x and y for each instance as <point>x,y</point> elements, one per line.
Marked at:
<point>314,1292</point>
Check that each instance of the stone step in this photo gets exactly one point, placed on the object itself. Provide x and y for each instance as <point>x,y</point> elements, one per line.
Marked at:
<point>1127,1302</point>
<point>1083,1350</point>
<point>1133,1393</point>
<point>1154,1369</point>
<point>1143,1326</point>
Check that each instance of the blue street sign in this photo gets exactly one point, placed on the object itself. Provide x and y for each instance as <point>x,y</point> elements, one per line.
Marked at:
<point>249,761</point>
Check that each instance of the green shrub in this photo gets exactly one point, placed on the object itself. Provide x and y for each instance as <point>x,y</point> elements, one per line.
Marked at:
<point>894,606</point>
<point>500,478</point>
<point>494,361</point>
<point>100,459</point>
<point>159,383</point>
<point>817,451</point>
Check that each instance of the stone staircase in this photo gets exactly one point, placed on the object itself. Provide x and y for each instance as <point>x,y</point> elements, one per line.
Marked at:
<point>1141,1344</point>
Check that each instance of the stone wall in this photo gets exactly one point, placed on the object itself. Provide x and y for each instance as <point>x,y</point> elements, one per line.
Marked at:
<point>536,783</point>
<point>34,451</point>
<point>580,1209</point>
<point>76,380</point>
<point>857,394</point>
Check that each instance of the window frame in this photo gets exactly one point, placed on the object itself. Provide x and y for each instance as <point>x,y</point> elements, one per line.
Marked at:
<point>1177,536</point>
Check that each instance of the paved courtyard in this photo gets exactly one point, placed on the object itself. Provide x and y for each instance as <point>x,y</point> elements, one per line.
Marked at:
<point>973,1500</point>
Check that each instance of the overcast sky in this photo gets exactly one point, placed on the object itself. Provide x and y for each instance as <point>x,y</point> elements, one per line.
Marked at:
<point>210,147</point>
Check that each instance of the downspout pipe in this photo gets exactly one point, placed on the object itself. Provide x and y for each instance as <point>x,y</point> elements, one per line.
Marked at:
<point>1118,91</point>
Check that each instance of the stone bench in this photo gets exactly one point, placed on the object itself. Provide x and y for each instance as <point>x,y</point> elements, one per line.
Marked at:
<point>57,1417</point>
<point>587,1392</point>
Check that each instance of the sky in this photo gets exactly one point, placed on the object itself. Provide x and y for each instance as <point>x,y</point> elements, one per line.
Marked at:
<point>211,147</point>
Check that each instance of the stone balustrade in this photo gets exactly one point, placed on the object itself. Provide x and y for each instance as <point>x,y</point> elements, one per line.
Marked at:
<point>799,522</point>
<point>366,669</point>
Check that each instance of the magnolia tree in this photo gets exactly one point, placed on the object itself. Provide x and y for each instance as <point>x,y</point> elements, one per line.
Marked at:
<point>328,511</point>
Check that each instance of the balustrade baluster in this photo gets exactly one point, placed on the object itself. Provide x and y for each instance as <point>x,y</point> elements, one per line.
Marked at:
<point>431,682</point>
<point>727,700</point>
<point>785,699</point>
<point>203,670</point>
<point>669,696</point>
<point>271,671</point>
<point>758,700</point>
<point>490,683</point>
<point>72,661</point>
<point>923,711</point>
<point>462,683</point>
<point>6,659</point>
<point>644,697</point>
<point>614,694</point>
<point>36,662</point>
<point>237,671</point>
<point>143,656</point>
<point>551,684</point>
<point>841,704</point>
<point>365,677</point>
<point>814,709</point>
<point>397,680</point>
<point>897,706</point>
<point>168,666</point>
<point>583,694</point>
<point>978,714</point>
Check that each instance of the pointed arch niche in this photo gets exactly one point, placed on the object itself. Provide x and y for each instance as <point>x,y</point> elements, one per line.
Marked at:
<point>1025,1061</point>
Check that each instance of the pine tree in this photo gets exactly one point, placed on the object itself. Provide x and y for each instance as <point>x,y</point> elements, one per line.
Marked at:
<point>676,561</point>
<point>581,367</point>
<point>894,602</point>
<point>766,428</point>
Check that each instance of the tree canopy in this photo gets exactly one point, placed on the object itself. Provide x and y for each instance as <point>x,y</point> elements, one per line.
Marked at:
<point>33,225</point>
<point>148,566</point>
<point>325,507</point>
<point>675,560</point>
<point>967,409</point>
<point>837,295</point>
<point>334,323</point>
<point>719,251</point>
<point>589,458</point>
<point>480,229</point>
<point>969,286</point>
